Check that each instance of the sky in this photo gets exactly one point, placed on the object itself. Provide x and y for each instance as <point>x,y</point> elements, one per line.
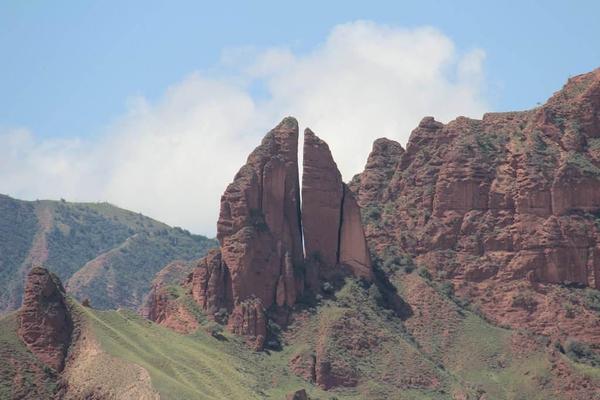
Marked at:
<point>154,106</point>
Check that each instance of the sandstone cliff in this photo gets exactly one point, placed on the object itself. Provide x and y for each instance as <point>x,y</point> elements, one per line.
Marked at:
<point>501,206</point>
<point>259,271</point>
<point>333,232</point>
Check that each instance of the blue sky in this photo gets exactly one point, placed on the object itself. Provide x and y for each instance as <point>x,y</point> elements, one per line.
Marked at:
<point>69,66</point>
<point>154,106</point>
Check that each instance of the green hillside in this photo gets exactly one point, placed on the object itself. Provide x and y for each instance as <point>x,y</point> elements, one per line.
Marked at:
<point>22,375</point>
<point>114,253</point>
<point>393,359</point>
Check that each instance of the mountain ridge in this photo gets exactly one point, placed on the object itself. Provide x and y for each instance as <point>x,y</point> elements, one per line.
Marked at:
<point>64,237</point>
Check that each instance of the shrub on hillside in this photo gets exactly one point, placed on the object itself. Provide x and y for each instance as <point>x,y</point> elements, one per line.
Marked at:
<point>581,352</point>
<point>524,300</point>
<point>424,273</point>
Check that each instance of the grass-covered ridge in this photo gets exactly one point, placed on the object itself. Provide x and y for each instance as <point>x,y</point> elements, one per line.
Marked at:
<point>18,226</point>
<point>181,367</point>
<point>120,249</point>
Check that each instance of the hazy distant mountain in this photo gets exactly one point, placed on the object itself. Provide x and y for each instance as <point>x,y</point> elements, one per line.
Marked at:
<point>100,251</point>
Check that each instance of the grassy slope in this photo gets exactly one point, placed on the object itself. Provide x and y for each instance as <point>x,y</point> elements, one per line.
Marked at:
<point>181,367</point>
<point>18,225</point>
<point>81,232</point>
<point>477,357</point>
<point>21,374</point>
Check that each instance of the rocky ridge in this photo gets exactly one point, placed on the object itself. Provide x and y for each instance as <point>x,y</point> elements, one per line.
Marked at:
<point>260,269</point>
<point>506,208</point>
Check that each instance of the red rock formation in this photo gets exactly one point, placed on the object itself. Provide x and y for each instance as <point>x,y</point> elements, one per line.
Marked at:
<point>248,319</point>
<point>496,203</point>
<point>353,252</point>
<point>333,232</point>
<point>260,264</point>
<point>211,283</point>
<point>163,308</point>
<point>259,222</point>
<point>381,164</point>
<point>45,325</point>
<point>322,196</point>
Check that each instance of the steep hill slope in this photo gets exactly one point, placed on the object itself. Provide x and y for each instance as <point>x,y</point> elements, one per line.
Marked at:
<point>101,252</point>
<point>344,346</point>
<point>503,209</point>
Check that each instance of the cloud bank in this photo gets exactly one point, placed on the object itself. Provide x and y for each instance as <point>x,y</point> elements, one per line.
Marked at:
<point>173,158</point>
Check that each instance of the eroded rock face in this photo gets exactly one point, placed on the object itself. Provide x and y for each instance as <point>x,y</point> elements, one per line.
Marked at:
<point>45,324</point>
<point>381,165</point>
<point>248,319</point>
<point>333,232</point>
<point>260,265</point>
<point>259,223</point>
<point>497,203</point>
<point>353,252</point>
<point>322,196</point>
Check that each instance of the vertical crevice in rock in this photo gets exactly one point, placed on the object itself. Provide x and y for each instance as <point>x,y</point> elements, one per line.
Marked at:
<point>340,223</point>
<point>266,229</point>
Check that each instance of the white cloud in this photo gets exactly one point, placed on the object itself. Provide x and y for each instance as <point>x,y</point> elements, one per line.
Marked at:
<point>172,159</point>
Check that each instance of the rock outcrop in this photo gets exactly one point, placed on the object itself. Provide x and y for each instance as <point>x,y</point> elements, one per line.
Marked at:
<point>333,233</point>
<point>45,325</point>
<point>259,223</point>
<point>322,196</point>
<point>496,203</point>
<point>249,319</point>
<point>260,268</point>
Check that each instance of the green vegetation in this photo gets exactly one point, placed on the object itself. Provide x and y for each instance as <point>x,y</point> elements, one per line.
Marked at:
<point>582,163</point>
<point>424,273</point>
<point>542,157</point>
<point>125,249</point>
<point>78,235</point>
<point>481,357</point>
<point>17,364</point>
<point>592,299</point>
<point>581,353</point>
<point>18,225</point>
<point>181,367</point>
<point>130,268</point>
<point>524,299</point>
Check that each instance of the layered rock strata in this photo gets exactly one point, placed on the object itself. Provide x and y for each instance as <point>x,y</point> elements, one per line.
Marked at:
<point>499,205</point>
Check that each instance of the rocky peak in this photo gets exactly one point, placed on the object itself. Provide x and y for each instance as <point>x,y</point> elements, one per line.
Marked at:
<point>508,201</point>
<point>260,266</point>
<point>333,232</point>
<point>322,196</point>
<point>45,324</point>
<point>369,186</point>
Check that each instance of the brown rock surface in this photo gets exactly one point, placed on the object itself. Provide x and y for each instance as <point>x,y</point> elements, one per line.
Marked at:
<point>354,252</point>
<point>322,196</point>
<point>260,265</point>
<point>248,319</point>
<point>211,283</point>
<point>45,324</point>
<point>333,232</point>
<point>498,203</point>
<point>381,164</point>
<point>259,222</point>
